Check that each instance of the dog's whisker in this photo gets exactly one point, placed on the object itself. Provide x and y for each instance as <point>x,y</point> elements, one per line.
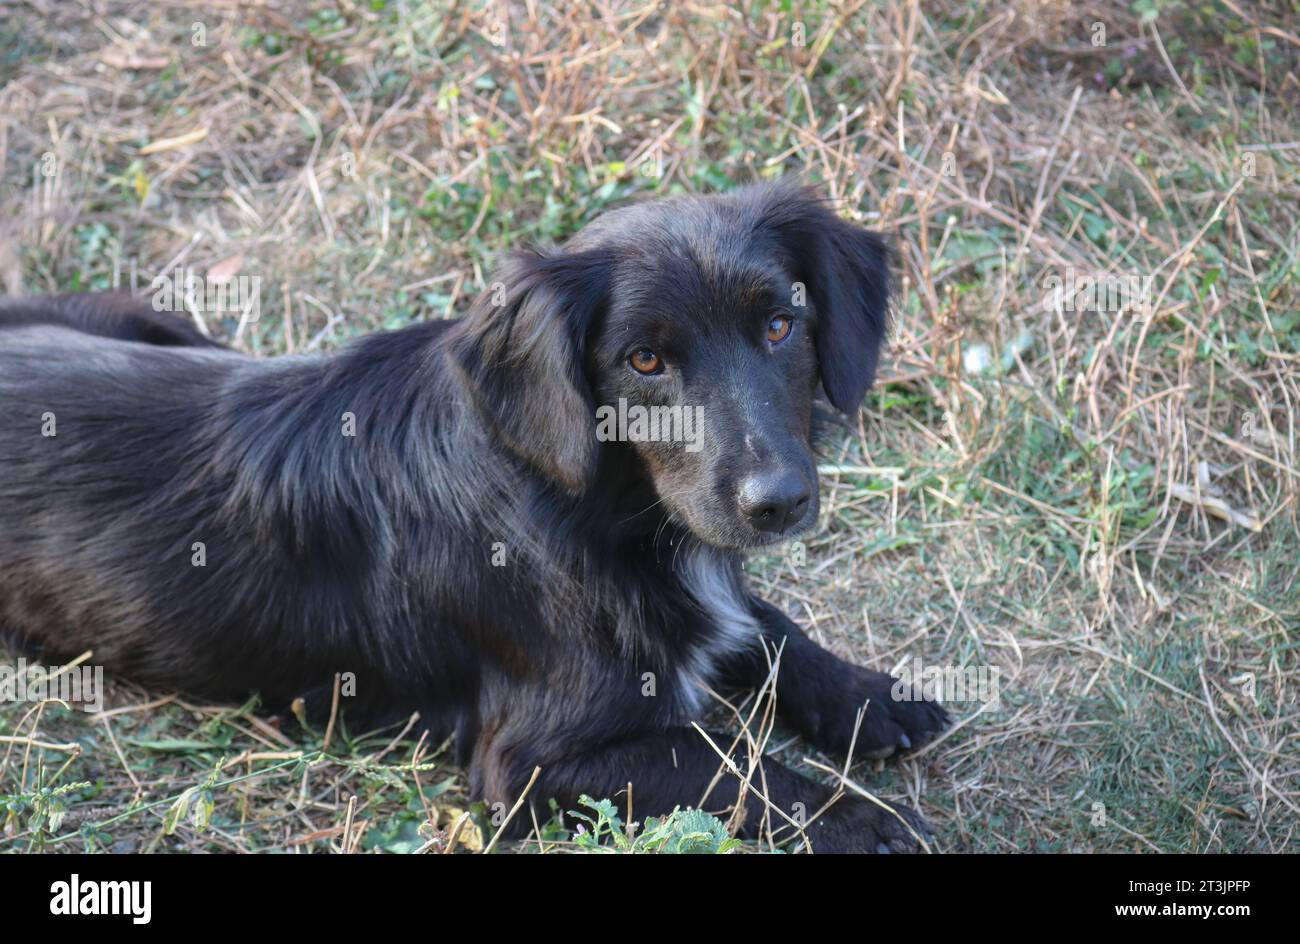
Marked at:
<point>633,517</point>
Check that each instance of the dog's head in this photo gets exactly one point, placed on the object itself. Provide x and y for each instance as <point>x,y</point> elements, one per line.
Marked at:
<point>694,332</point>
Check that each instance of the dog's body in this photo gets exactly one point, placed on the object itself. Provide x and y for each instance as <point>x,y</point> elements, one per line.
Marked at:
<point>430,510</point>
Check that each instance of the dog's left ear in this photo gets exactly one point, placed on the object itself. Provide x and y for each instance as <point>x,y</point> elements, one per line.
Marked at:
<point>519,353</point>
<point>845,271</point>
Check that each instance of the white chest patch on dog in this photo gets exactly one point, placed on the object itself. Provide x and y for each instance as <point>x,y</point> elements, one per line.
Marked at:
<point>711,581</point>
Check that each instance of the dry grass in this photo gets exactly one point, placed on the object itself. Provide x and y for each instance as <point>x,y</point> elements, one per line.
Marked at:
<point>1111,520</point>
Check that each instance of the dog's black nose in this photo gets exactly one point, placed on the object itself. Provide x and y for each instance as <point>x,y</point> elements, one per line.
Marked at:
<point>773,500</point>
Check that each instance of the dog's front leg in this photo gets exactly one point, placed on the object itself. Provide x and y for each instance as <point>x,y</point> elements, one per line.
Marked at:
<point>820,694</point>
<point>676,767</point>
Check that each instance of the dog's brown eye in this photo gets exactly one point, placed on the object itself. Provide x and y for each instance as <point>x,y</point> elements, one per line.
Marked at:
<point>778,329</point>
<point>645,362</point>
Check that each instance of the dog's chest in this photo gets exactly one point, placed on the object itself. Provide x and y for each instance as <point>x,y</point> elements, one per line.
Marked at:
<point>729,626</point>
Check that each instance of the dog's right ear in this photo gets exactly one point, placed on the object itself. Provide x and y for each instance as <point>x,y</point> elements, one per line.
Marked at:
<point>845,269</point>
<point>519,353</point>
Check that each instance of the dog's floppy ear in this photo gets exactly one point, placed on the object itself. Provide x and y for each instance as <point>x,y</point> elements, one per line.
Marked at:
<point>520,354</point>
<point>845,270</point>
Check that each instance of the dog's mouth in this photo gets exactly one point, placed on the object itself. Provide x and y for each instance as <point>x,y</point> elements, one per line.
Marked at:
<point>759,539</point>
<point>737,510</point>
<point>733,533</point>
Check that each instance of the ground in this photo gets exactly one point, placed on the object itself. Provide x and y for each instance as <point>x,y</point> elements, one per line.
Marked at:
<point>1090,496</point>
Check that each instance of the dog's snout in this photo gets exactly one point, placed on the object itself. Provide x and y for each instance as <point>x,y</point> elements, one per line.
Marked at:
<point>773,500</point>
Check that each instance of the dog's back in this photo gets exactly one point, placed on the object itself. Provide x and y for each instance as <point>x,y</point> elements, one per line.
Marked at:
<point>195,515</point>
<point>81,413</point>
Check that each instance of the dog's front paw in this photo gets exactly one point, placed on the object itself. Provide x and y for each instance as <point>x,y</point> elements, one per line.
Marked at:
<point>854,824</point>
<point>894,718</point>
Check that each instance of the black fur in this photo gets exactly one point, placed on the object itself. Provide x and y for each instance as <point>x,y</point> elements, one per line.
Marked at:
<point>377,554</point>
<point>109,315</point>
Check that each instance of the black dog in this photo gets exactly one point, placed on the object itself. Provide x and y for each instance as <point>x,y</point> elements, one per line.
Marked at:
<point>433,511</point>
